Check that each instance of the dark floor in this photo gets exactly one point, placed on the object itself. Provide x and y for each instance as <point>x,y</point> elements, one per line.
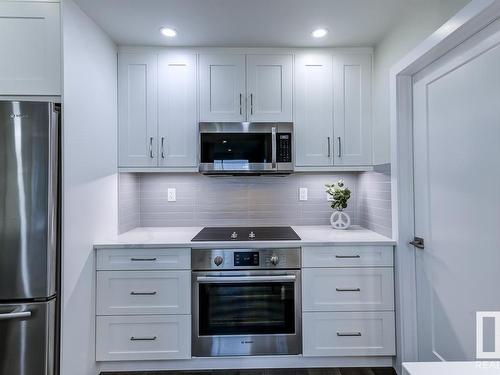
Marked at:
<point>326,371</point>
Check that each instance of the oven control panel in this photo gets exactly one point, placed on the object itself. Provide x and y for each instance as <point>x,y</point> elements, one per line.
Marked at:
<point>284,148</point>
<point>227,259</point>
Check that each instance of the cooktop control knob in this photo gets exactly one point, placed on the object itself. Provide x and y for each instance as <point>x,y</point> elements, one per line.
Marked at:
<point>251,235</point>
<point>218,260</point>
<point>234,235</point>
<point>275,260</point>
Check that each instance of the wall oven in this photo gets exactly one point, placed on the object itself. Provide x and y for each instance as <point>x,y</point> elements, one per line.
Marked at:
<point>246,148</point>
<point>246,302</point>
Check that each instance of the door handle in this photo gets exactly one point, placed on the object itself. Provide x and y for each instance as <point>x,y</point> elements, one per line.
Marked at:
<point>153,338</point>
<point>143,259</point>
<point>348,334</point>
<point>273,145</point>
<point>348,290</point>
<point>241,104</point>
<point>242,279</point>
<point>142,293</point>
<point>347,256</point>
<point>329,148</point>
<point>418,242</point>
<point>15,315</point>
<point>340,146</point>
<point>251,104</point>
<point>163,147</point>
<point>151,147</point>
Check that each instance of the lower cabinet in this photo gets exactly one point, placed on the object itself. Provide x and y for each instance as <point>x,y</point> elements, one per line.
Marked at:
<point>143,304</point>
<point>153,337</point>
<point>349,334</point>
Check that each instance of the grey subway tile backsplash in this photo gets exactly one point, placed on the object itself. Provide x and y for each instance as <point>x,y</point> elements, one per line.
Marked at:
<point>263,200</point>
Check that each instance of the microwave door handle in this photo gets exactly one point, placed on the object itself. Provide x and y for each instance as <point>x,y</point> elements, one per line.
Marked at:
<point>273,141</point>
<point>244,279</point>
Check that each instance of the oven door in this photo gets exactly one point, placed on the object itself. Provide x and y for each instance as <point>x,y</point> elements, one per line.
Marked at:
<point>239,313</point>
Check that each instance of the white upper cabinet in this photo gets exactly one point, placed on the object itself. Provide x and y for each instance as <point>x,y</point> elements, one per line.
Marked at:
<point>352,109</point>
<point>137,110</point>
<point>177,110</point>
<point>269,88</point>
<point>222,88</point>
<point>313,127</point>
<point>31,48</point>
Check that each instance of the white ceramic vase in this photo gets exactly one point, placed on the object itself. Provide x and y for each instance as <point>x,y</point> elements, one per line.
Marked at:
<point>340,220</point>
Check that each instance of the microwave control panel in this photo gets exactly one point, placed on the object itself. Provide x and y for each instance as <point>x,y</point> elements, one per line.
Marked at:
<point>284,148</point>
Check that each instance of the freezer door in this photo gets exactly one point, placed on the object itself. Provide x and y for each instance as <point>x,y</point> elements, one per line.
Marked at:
<point>27,334</point>
<point>28,197</point>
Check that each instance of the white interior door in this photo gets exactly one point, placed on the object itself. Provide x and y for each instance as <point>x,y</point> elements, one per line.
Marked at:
<point>457,195</point>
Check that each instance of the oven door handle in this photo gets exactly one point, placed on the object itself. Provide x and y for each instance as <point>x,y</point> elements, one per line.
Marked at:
<point>243,279</point>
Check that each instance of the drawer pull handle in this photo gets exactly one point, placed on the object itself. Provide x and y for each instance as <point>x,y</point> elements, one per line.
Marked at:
<point>347,256</point>
<point>143,259</point>
<point>142,293</point>
<point>349,334</point>
<point>143,338</point>
<point>348,290</point>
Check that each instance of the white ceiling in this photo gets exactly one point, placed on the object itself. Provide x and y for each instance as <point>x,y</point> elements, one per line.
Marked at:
<point>273,23</point>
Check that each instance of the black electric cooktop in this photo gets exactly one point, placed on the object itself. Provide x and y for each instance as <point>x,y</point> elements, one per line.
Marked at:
<point>246,234</point>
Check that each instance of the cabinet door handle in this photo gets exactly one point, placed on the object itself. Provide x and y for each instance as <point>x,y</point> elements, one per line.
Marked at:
<point>163,147</point>
<point>348,290</point>
<point>347,256</point>
<point>151,147</point>
<point>348,334</point>
<point>251,104</point>
<point>143,293</point>
<point>241,104</point>
<point>143,259</point>
<point>152,338</point>
<point>340,146</point>
<point>329,149</point>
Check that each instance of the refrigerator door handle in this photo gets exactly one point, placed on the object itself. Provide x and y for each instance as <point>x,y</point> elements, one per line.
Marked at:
<point>15,315</point>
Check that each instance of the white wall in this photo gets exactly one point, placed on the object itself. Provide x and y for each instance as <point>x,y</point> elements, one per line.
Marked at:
<point>89,176</point>
<point>420,20</point>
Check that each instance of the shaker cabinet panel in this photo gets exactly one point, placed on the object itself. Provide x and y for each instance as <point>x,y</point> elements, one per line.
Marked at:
<point>269,88</point>
<point>31,46</point>
<point>137,110</point>
<point>222,88</point>
<point>352,109</point>
<point>313,110</point>
<point>177,110</point>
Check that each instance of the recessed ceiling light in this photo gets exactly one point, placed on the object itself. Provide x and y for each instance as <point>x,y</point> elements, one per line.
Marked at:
<point>319,33</point>
<point>167,31</point>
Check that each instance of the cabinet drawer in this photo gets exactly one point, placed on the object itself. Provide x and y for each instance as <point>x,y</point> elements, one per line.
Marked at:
<point>347,256</point>
<point>349,289</point>
<point>143,292</point>
<point>132,338</point>
<point>349,334</point>
<point>144,259</point>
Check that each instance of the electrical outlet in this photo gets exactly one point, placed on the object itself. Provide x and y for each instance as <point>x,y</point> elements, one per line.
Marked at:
<point>171,194</point>
<point>302,194</point>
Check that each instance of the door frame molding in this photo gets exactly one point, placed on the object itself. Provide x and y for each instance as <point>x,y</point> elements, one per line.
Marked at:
<point>474,17</point>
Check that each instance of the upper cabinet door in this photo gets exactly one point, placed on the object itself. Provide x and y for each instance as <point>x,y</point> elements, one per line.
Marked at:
<point>222,88</point>
<point>31,48</point>
<point>352,109</point>
<point>269,88</point>
<point>137,110</point>
<point>313,110</point>
<point>177,110</point>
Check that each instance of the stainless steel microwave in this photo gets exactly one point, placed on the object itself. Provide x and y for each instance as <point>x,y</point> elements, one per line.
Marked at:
<point>246,148</point>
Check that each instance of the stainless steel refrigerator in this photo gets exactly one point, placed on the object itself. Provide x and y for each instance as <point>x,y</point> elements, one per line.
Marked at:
<point>29,245</point>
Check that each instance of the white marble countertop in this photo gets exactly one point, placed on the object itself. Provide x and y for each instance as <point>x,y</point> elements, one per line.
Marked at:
<point>451,368</point>
<point>181,237</point>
